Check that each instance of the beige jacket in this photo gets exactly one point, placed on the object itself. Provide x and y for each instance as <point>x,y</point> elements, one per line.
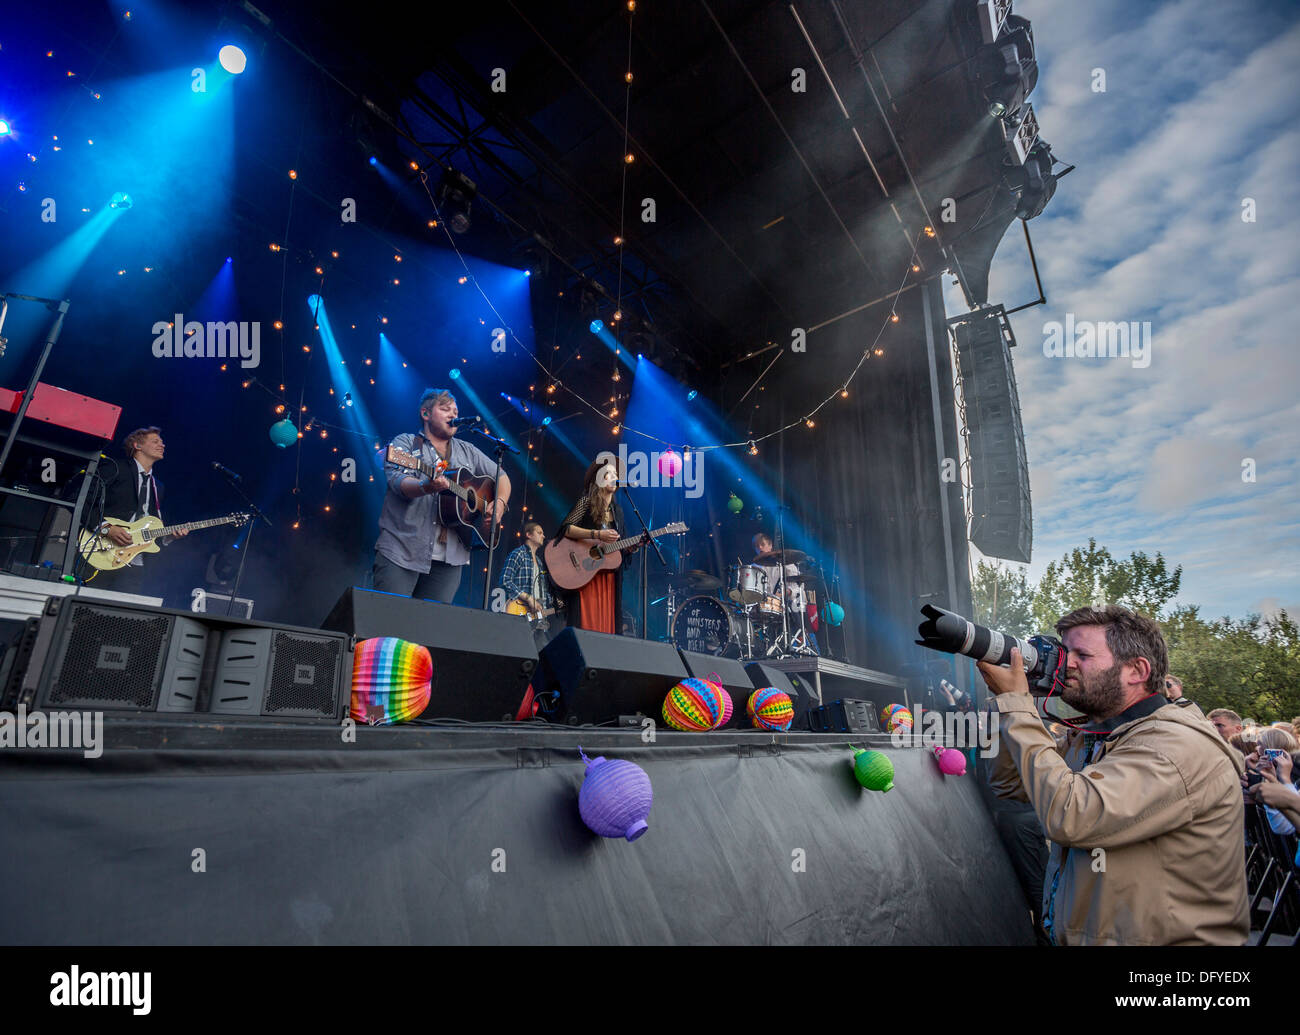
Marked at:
<point>1146,826</point>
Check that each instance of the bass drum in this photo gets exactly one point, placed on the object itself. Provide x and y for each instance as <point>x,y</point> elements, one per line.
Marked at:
<point>704,625</point>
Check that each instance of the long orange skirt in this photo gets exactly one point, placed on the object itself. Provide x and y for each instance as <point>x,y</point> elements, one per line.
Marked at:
<point>596,604</point>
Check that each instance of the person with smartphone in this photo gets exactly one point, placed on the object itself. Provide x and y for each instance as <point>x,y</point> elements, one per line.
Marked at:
<point>1269,783</point>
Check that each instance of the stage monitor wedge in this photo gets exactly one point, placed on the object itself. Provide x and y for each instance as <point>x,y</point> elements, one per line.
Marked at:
<point>599,677</point>
<point>482,660</point>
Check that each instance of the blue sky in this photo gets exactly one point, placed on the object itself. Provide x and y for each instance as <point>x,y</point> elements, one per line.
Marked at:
<point>1199,113</point>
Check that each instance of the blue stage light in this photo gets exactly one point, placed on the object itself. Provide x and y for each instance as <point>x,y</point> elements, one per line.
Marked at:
<point>528,273</point>
<point>546,421</point>
<point>123,200</point>
<point>691,394</point>
<point>374,160</point>
<point>454,373</point>
<point>5,127</point>
<point>232,59</point>
<point>597,326</point>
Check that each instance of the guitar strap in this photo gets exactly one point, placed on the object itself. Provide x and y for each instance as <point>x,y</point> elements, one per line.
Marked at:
<point>442,534</point>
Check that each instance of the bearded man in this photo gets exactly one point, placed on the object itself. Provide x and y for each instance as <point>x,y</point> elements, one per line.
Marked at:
<point>1141,800</point>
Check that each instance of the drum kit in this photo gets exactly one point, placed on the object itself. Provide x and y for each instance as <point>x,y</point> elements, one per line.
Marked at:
<point>762,614</point>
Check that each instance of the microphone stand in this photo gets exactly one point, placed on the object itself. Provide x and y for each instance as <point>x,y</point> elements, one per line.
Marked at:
<point>502,447</point>
<point>645,584</point>
<point>243,553</point>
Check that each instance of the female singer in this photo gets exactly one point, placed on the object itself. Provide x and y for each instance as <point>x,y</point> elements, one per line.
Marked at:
<point>597,516</point>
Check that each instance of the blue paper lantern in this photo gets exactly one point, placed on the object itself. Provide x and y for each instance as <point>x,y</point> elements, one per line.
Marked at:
<point>834,613</point>
<point>283,433</point>
<point>615,798</point>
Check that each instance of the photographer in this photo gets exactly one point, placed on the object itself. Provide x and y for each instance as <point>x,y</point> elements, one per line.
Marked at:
<point>1142,802</point>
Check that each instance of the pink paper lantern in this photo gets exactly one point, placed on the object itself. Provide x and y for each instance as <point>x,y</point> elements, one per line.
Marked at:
<point>670,464</point>
<point>951,761</point>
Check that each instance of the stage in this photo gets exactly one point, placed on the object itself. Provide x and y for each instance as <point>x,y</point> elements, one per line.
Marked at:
<point>197,832</point>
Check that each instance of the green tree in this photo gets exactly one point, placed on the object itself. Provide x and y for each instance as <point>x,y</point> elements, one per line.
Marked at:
<point>1089,576</point>
<point>1003,599</point>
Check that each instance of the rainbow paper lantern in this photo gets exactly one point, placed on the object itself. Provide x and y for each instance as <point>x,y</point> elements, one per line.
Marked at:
<point>693,706</point>
<point>283,433</point>
<point>770,709</point>
<point>727,706</point>
<point>895,716</point>
<point>616,797</point>
<point>873,770</point>
<point>391,679</point>
<point>951,761</point>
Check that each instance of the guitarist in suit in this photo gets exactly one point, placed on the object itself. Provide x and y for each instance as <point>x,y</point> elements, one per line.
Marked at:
<point>132,492</point>
<point>597,515</point>
<point>524,578</point>
<point>416,555</point>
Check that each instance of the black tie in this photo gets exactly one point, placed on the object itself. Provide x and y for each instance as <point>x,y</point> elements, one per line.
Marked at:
<point>144,493</point>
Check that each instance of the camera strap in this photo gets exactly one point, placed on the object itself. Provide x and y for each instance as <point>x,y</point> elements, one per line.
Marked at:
<point>1106,727</point>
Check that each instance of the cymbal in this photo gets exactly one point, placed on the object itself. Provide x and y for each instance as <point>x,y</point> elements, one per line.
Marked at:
<point>702,580</point>
<point>807,579</point>
<point>781,557</point>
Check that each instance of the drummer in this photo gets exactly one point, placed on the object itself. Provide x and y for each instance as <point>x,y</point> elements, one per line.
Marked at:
<point>763,546</point>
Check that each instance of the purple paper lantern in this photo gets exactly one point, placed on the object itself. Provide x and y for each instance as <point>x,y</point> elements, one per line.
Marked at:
<point>616,797</point>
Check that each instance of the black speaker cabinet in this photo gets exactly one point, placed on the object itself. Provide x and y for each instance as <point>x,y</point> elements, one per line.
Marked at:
<point>847,715</point>
<point>111,658</point>
<point>599,677</point>
<point>732,675</point>
<point>483,661</point>
<point>801,692</point>
<point>279,673</point>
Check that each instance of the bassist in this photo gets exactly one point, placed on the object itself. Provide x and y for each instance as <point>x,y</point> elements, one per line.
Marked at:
<point>416,555</point>
<point>525,581</point>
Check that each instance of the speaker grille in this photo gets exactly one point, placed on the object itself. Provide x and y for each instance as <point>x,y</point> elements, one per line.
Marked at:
<point>111,659</point>
<point>304,675</point>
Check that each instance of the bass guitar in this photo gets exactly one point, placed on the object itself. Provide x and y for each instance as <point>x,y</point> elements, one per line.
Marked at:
<point>465,506</point>
<point>106,555</point>
<point>572,563</point>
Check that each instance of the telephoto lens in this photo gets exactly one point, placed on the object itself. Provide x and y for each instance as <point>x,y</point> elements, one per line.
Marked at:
<point>1044,656</point>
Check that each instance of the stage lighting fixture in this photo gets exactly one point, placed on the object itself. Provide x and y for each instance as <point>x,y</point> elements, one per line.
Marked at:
<point>690,396</point>
<point>456,193</point>
<point>454,373</point>
<point>123,200</point>
<point>1007,70</point>
<point>528,273</point>
<point>992,15</point>
<point>546,421</point>
<point>5,128</point>
<point>596,326</point>
<point>1023,131</point>
<point>1034,181</point>
<point>232,59</point>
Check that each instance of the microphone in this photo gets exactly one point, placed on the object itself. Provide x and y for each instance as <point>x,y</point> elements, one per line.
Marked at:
<point>456,422</point>
<point>226,471</point>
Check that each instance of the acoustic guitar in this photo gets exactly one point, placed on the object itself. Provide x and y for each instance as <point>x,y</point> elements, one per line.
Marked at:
<point>572,563</point>
<point>106,555</point>
<point>465,506</point>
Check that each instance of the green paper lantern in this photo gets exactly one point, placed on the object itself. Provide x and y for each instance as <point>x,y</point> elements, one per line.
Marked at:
<point>873,769</point>
<point>735,504</point>
<point>283,433</point>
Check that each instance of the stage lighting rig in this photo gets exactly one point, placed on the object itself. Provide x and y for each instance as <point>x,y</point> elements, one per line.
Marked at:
<point>1007,70</point>
<point>992,16</point>
<point>1021,131</point>
<point>456,193</point>
<point>1034,182</point>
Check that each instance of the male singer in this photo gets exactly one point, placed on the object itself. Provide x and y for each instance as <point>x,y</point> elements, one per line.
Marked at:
<point>415,554</point>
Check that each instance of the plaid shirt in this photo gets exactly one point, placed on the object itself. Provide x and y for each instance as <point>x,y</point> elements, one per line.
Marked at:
<point>517,576</point>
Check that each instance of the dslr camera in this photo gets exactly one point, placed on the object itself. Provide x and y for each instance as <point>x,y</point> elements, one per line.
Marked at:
<point>1044,656</point>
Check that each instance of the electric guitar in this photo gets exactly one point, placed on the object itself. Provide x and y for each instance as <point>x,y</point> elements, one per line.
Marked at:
<point>105,555</point>
<point>517,607</point>
<point>572,563</point>
<point>465,506</point>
